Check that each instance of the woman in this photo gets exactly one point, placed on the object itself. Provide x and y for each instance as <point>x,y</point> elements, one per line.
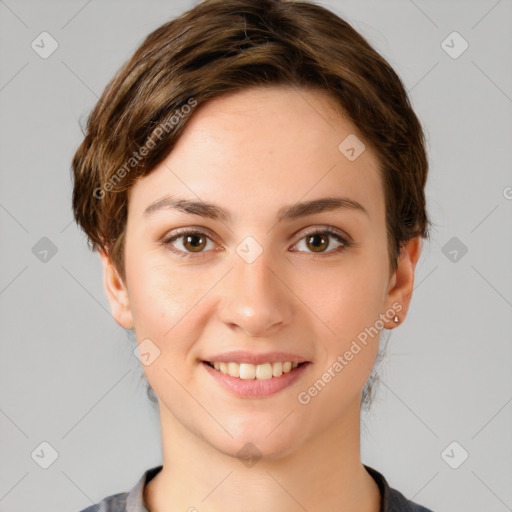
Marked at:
<point>253,179</point>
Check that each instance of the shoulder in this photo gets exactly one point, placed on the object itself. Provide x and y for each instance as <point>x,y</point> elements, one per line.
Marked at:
<point>399,503</point>
<point>114,503</point>
<point>131,501</point>
<point>391,499</point>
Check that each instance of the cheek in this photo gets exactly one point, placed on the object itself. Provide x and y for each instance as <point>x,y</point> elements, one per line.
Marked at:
<point>351,310</point>
<point>165,306</point>
<point>161,298</point>
<point>350,302</point>
<point>351,299</point>
<point>170,305</point>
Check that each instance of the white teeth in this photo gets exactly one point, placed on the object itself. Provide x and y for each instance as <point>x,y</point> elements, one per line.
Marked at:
<point>251,371</point>
<point>234,369</point>
<point>277,369</point>
<point>247,371</point>
<point>264,371</point>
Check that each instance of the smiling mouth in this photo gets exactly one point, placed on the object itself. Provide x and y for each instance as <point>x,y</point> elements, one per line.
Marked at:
<point>247,371</point>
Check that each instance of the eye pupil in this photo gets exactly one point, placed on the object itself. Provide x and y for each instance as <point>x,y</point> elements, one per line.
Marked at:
<point>194,248</point>
<point>321,246</point>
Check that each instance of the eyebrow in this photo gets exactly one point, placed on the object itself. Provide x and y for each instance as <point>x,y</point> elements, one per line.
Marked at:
<point>294,211</point>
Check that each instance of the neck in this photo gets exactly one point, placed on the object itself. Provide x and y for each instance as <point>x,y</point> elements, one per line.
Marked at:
<point>324,473</point>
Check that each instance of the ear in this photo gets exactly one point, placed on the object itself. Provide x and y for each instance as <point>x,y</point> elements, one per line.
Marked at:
<point>402,282</point>
<point>117,293</point>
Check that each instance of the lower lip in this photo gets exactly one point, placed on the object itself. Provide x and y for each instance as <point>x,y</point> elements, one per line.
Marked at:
<point>255,388</point>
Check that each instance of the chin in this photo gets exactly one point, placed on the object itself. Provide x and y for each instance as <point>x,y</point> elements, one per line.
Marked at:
<point>252,445</point>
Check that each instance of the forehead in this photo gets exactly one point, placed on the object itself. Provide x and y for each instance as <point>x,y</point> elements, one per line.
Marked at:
<point>260,148</point>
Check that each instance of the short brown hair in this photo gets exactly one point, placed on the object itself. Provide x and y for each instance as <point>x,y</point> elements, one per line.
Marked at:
<point>221,46</point>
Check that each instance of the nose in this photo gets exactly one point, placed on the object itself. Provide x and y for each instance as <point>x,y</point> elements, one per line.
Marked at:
<point>255,298</point>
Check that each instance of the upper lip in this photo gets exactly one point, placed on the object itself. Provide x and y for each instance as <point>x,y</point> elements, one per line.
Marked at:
<point>240,356</point>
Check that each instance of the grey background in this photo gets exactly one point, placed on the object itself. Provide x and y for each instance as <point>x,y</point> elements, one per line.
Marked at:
<point>67,372</point>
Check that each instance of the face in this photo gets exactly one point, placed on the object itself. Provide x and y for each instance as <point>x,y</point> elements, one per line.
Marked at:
<point>257,274</point>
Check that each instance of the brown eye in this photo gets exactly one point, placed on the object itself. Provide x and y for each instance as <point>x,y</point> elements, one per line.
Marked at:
<point>318,242</point>
<point>194,242</point>
<point>187,243</point>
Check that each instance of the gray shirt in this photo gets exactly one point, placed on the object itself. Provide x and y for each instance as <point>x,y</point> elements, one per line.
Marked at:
<point>132,501</point>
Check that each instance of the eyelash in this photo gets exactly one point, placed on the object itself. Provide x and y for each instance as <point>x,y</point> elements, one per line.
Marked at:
<point>326,230</point>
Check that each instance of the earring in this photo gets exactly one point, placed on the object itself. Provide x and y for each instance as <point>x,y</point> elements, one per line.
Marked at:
<point>396,319</point>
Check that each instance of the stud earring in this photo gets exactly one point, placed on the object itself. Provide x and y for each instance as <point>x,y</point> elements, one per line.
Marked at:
<point>396,319</point>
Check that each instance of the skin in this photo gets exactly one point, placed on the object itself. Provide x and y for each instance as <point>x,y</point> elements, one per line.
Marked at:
<point>253,152</point>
